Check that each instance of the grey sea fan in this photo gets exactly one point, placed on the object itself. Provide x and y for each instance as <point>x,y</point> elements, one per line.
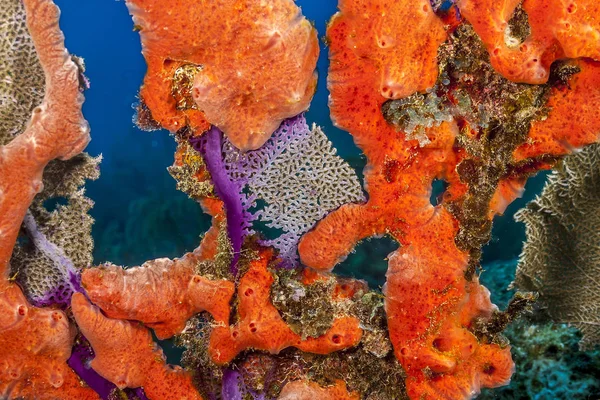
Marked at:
<point>53,240</point>
<point>21,75</point>
<point>561,257</point>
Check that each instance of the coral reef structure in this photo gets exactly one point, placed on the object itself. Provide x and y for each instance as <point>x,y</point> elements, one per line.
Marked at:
<point>475,95</point>
<point>35,343</point>
<point>261,327</point>
<point>433,299</point>
<point>296,159</point>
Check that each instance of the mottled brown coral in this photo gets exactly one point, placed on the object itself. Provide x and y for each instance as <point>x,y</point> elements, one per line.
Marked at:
<point>68,226</point>
<point>252,64</point>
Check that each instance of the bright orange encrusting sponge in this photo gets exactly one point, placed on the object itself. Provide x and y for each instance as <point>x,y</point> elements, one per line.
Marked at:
<point>261,327</point>
<point>35,344</point>
<point>558,29</point>
<point>169,290</point>
<point>127,356</point>
<point>253,64</point>
<point>430,304</point>
<point>573,118</point>
<point>400,37</point>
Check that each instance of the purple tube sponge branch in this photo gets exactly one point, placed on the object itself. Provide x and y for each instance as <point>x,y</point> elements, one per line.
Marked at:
<point>209,145</point>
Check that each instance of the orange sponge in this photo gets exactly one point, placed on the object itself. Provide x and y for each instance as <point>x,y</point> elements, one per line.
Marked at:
<point>261,327</point>
<point>127,356</point>
<point>162,293</point>
<point>253,64</point>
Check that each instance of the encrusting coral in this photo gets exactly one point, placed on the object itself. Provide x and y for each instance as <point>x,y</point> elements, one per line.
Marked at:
<point>243,66</point>
<point>560,255</point>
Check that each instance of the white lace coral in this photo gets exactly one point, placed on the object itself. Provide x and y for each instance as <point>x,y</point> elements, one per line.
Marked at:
<point>300,178</point>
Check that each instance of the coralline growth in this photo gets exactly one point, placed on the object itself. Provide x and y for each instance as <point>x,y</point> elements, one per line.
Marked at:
<point>243,66</point>
<point>480,95</point>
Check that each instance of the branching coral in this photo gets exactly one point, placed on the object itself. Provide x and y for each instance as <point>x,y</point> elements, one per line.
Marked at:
<point>560,256</point>
<point>245,65</point>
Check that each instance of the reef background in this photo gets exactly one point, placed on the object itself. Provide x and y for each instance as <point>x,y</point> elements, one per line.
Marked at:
<point>140,215</point>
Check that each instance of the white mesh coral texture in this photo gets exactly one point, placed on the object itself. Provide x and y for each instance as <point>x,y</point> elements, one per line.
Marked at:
<point>21,75</point>
<point>300,178</point>
<point>561,257</point>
